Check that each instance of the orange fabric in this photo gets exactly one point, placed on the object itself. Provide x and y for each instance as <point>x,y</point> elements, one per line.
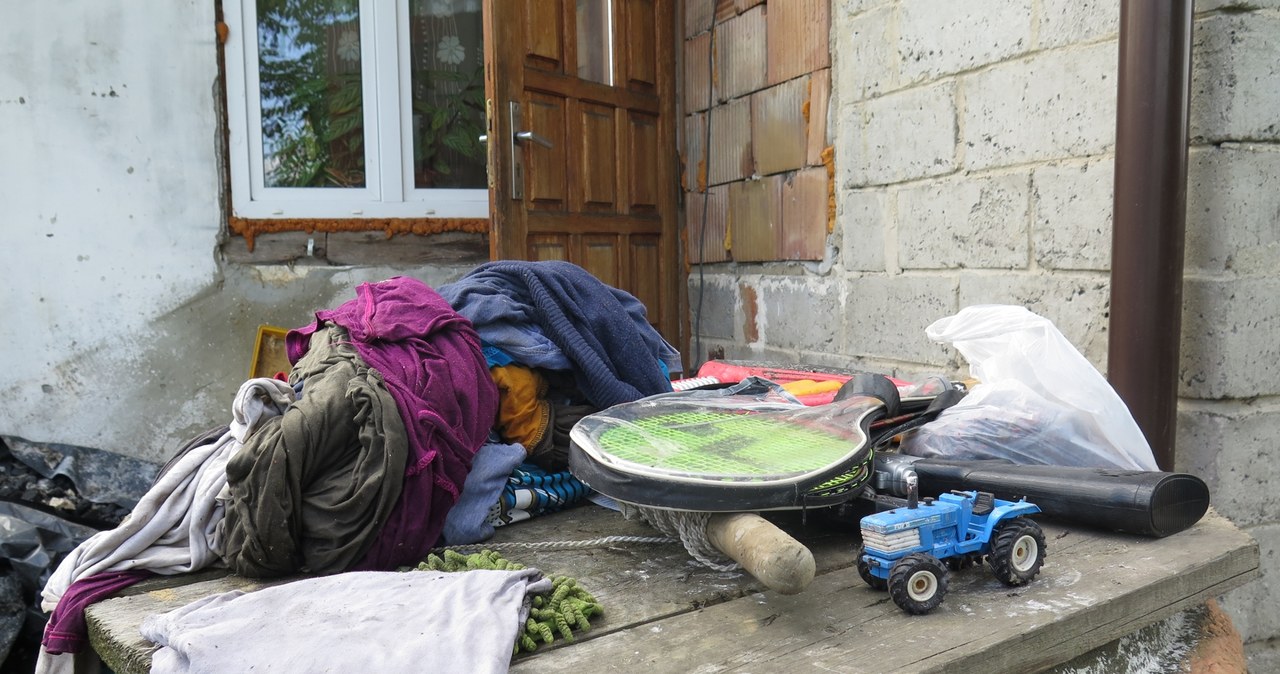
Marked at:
<point>524,415</point>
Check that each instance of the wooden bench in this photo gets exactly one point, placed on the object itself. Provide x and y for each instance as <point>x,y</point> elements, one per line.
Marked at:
<point>665,613</point>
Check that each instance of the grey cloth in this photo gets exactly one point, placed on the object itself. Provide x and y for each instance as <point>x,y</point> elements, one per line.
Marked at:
<point>310,490</point>
<point>418,621</point>
<point>173,529</point>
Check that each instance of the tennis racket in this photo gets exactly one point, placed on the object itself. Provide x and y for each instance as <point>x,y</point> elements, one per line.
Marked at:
<point>746,448</point>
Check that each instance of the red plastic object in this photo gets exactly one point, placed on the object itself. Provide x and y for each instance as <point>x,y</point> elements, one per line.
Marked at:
<point>729,372</point>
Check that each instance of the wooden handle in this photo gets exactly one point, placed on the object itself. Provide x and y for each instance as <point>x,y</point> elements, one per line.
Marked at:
<point>776,559</point>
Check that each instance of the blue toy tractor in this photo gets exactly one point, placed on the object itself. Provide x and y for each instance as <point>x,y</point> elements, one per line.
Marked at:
<point>904,549</point>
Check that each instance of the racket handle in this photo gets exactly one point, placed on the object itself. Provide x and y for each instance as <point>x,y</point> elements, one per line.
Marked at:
<point>776,559</point>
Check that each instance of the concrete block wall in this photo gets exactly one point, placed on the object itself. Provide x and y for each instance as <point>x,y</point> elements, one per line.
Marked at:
<point>973,163</point>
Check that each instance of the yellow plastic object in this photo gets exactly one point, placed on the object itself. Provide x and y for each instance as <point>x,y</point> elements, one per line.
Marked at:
<point>804,387</point>
<point>269,354</point>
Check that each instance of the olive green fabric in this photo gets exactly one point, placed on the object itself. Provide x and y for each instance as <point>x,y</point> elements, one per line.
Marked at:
<point>310,490</point>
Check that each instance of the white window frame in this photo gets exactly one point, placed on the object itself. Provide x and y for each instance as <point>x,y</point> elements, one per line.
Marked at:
<point>389,190</point>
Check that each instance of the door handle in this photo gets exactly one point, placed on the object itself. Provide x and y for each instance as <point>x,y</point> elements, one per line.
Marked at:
<point>540,140</point>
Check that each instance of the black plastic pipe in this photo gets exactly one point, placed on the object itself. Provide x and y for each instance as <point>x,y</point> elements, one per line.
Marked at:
<point>1150,215</point>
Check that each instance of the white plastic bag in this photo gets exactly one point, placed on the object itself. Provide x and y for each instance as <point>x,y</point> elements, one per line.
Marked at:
<point>1039,401</point>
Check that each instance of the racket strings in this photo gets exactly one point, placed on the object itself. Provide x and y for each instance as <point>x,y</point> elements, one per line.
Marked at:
<point>690,527</point>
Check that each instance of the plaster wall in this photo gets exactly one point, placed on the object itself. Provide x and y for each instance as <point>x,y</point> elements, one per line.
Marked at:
<point>123,328</point>
<point>974,151</point>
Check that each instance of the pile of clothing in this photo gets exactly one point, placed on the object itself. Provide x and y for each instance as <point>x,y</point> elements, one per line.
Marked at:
<point>410,417</point>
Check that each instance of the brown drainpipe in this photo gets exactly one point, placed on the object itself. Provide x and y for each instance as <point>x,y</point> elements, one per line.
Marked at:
<point>1150,214</point>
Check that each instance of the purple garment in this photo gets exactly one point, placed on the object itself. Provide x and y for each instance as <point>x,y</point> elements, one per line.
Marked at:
<point>66,631</point>
<point>429,357</point>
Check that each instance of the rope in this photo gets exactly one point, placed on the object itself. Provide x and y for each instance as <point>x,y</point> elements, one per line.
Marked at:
<point>690,527</point>
<point>561,545</point>
<point>686,527</point>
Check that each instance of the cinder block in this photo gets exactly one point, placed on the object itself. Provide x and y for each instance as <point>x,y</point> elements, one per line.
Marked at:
<point>853,7</point>
<point>707,244</point>
<point>863,217</point>
<point>799,38</point>
<point>1052,105</point>
<point>864,55</point>
<point>941,37</point>
<point>741,55</point>
<point>800,313</point>
<point>899,136</point>
<point>1232,208</point>
<point>974,222</point>
<point>755,219</point>
<point>779,130</point>
<point>1211,5</point>
<point>697,73</point>
<point>1067,22</point>
<point>1252,606</point>
<point>749,311</point>
<point>713,302</point>
<point>1229,345</point>
<point>1078,305</point>
<point>1235,74</point>
<point>731,156</point>
<point>885,316</point>
<point>1071,206</point>
<point>1263,654</point>
<point>277,247</point>
<point>1231,445</point>
<point>804,215</point>
<point>817,136</point>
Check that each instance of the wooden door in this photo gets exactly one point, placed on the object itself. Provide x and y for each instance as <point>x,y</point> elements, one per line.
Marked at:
<point>582,150</point>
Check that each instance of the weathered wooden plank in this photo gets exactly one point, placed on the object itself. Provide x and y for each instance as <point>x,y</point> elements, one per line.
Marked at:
<point>1094,588</point>
<point>114,623</point>
<point>636,582</point>
<point>665,613</point>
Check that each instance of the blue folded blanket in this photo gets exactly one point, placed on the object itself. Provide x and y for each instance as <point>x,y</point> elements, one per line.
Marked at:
<point>557,316</point>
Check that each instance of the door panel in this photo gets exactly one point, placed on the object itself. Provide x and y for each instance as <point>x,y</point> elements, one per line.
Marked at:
<point>601,257</point>
<point>543,41</point>
<point>641,62</point>
<point>645,252</point>
<point>643,157</point>
<point>599,167</point>
<point>547,168</point>
<point>594,180</point>
<point>548,247</point>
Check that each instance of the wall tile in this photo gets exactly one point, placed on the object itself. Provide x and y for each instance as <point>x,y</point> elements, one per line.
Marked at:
<point>799,34</point>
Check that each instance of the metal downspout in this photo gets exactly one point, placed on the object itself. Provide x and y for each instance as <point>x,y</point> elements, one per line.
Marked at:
<point>1150,214</point>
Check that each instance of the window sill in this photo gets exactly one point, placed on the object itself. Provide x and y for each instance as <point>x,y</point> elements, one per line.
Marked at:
<point>358,248</point>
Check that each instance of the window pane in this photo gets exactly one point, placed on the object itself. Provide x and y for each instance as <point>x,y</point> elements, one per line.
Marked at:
<point>309,55</point>
<point>595,40</point>
<point>447,74</point>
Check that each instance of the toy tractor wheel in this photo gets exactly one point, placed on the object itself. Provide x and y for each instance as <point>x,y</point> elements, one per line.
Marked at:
<point>918,583</point>
<point>864,571</point>
<point>1017,551</point>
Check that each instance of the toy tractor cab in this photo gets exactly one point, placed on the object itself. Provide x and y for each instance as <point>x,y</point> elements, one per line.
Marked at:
<point>904,549</point>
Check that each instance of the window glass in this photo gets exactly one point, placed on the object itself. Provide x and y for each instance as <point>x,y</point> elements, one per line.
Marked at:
<point>595,40</point>
<point>447,73</point>
<point>309,69</point>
